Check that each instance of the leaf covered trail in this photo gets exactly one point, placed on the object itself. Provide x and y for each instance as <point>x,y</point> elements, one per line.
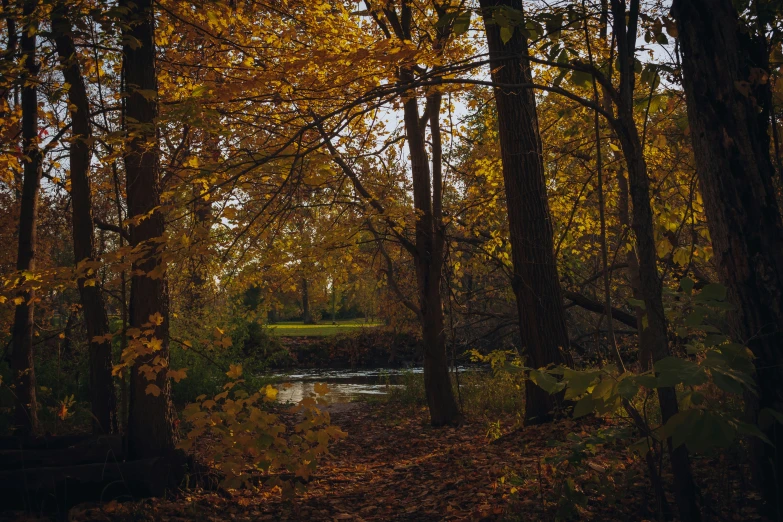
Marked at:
<point>394,466</point>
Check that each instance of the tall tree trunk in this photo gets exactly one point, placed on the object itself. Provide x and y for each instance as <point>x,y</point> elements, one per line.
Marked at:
<point>306,317</point>
<point>651,286</point>
<point>725,87</point>
<point>198,288</point>
<point>22,364</point>
<point>8,56</point>
<point>428,247</point>
<point>429,262</point>
<point>96,322</point>
<point>535,283</point>
<point>624,218</point>
<point>334,302</point>
<point>150,419</point>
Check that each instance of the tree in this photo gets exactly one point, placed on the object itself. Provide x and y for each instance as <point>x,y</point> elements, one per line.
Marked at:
<point>725,66</point>
<point>427,249</point>
<point>150,419</point>
<point>22,363</point>
<point>625,29</point>
<point>96,322</point>
<point>535,280</point>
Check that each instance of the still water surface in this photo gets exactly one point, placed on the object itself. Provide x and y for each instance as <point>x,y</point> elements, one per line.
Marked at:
<point>344,385</point>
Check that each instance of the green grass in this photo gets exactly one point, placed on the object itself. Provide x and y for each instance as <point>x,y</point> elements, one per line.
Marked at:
<point>326,328</point>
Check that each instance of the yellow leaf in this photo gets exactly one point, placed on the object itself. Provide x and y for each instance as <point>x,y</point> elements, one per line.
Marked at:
<point>156,319</point>
<point>62,335</point>
<point>152,389</point>
<point>191,162</point>
<point>321,388</point>
<point>177,375</point>
<point>234,371</point>
<point>271,392</point>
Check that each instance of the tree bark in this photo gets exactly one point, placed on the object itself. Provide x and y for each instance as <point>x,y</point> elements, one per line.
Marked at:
<point>651,286</point>
<point>22,364</point>
<point>728,111</point>
<point>150,419</point>
<point>624,218</point>
<point>8,55</point>
<point>428,248</point>
<point>102,396</point>
<point>429,262</point>
<point>535,281</point>
<point>306,317</point>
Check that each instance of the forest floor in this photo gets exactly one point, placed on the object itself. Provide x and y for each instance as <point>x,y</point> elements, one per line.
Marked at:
<point>393,466</point>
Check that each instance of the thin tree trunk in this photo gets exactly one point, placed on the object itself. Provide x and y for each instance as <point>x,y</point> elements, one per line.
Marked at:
<point>22,364</point>
<point>624,218</point>
<point>96,322</point>
<point>723,76</point>
<point>306,317</point>
<point>427,249</point>
<point>650,282</point>
<point>429,261</point>
<point>12,42</point>
<point>535,281</point>
<point>334,302</point>
<point>150,419</point>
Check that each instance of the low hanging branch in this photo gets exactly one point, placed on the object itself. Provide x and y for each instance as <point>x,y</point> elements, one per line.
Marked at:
<point>594,306</point>
<point>363,192</point>
<point>390,273</point>
<point>102,225</point>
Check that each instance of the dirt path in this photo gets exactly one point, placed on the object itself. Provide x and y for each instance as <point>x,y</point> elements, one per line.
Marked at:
<point>393,466</point>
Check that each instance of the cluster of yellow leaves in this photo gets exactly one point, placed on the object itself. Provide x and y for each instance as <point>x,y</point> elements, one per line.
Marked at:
<point>249,443</point>
<point>145,346</point>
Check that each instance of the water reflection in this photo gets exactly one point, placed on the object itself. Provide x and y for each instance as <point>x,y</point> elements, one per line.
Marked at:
<point>344,385</point>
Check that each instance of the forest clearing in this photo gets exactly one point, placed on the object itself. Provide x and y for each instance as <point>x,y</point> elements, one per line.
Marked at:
<point>391,260</point>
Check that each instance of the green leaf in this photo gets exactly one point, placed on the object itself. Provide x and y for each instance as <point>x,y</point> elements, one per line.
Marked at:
<point>581,78</point>
<point>695,318</point>
<point>506,32</point>
<point>727,383</point>
<point>604,389</point>
<point>534,28</point>
<point>578,382</point>
<point>628,387</point>
<point>686,283</point>
<point>673,370</point>
<point>585,406</point>
<point>545,381</point>
<point>710,430</point>
<point>462,23</point>
<point>446,19</point>
<point>751,430</point>
<point>715,340</point>
<point>712,292</point>
<point>648,381</point>
<point>638,303</point>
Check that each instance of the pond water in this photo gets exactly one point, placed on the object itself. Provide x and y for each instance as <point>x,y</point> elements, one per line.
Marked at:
<point>344,385</point>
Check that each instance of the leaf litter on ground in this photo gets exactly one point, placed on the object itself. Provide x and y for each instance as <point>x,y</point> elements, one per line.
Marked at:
<point>394,466</point>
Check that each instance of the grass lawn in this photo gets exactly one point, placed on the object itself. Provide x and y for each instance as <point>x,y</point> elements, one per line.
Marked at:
<point>325,328</point>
